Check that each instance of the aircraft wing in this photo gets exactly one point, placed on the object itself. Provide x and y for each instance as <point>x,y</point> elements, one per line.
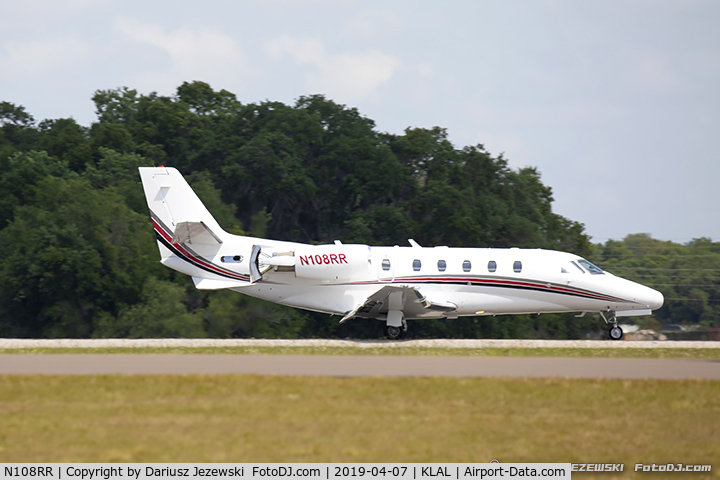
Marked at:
<point>377,304</point>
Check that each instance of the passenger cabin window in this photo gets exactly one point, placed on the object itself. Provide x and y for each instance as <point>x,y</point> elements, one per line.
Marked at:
<point>416,265</point>
<point>517,266</point>
<point>386,264</point>
<point>590,267</point>
<point>441,265</point>
<point>467,266</point>
<point>492,266</point>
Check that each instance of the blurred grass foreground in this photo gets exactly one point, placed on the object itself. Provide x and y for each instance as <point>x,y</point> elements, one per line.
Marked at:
<point>249,418</point>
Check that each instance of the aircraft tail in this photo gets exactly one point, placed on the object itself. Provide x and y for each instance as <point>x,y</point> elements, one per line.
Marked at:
<point>176,209</point>
<point>188,236</point>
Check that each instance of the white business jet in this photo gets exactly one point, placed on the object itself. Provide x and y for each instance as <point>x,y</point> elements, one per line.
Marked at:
<point>391,284</point>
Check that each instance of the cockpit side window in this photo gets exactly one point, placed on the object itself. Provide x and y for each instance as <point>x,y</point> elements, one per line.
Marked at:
<point>578,267</point>
<point>590,267</point>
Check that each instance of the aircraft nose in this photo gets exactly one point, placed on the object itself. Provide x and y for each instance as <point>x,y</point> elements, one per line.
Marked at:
<point>657,301</point>
<point>653,298</point>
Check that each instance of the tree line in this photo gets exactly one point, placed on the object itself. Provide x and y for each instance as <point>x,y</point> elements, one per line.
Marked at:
<point>80,259</point>
<point>688,276</point>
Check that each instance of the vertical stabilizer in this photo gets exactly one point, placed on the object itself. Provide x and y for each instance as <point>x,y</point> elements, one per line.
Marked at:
<point>189,238</point>
<point>171,201</point>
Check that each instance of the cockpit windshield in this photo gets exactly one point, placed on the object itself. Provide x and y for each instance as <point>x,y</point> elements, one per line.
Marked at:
<point>590,267</point>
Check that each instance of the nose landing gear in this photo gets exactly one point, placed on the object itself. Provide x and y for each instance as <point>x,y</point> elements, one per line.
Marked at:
<point>615,332</point>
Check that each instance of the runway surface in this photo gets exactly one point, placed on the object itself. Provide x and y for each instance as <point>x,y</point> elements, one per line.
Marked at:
<point>16,343</point>
<point>357,366</point>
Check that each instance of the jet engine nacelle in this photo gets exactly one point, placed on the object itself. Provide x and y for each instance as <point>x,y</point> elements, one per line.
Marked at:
<point>332,262</point>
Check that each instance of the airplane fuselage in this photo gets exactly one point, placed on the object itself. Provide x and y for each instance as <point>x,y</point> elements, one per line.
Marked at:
<point>478,281</point>
<point>393,284</point>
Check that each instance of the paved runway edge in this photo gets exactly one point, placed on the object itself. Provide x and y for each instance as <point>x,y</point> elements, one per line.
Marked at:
<point>14,343</point>
<point>358,366</point>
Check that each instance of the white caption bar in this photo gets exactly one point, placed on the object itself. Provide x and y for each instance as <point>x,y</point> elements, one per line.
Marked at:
<point>268,471</point>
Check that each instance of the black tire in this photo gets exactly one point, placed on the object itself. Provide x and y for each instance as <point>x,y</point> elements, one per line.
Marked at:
<point>616,333</point>
<point>394,333</point>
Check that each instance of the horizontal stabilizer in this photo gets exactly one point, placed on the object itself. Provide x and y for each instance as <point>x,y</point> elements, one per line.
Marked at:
<point>213,284</point>
<point>194,233</point>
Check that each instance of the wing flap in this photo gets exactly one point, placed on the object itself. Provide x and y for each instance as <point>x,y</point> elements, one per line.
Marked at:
<point>377,304</point>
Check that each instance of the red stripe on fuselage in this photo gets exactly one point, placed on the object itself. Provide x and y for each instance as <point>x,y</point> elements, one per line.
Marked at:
<point>511,283</point>
<point>499,283</point>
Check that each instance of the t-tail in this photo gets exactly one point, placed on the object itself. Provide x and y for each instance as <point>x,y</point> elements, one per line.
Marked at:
<point>189,238</point>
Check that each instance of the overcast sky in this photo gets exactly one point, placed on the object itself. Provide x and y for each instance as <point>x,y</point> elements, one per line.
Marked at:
<point>617,103</point>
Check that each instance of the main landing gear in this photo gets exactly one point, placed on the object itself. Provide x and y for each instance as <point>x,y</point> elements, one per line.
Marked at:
<point>395,333</point>
<point>396,325</point>
<point>615,332</point>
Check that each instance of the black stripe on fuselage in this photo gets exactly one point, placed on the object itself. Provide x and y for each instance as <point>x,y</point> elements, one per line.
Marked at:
<point>162,233</point>
<point>194,263</point>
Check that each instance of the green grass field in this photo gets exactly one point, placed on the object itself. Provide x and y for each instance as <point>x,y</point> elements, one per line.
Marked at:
<point>248,418</point>
<point>251,418</point>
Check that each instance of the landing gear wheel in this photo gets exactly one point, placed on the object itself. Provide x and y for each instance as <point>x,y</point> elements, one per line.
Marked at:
<point>394,333</point>
<point>616,333</point>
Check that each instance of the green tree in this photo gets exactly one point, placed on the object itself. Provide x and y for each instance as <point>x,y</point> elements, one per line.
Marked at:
<point>72,253</point>
<point>65,140</point>
<point>118,105</point>
<point>81,260</point>
<point>17,129</point>
<point>687,275</point>
<point>160,313</point>
<point>20,174</point>
<point>229,315</point>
